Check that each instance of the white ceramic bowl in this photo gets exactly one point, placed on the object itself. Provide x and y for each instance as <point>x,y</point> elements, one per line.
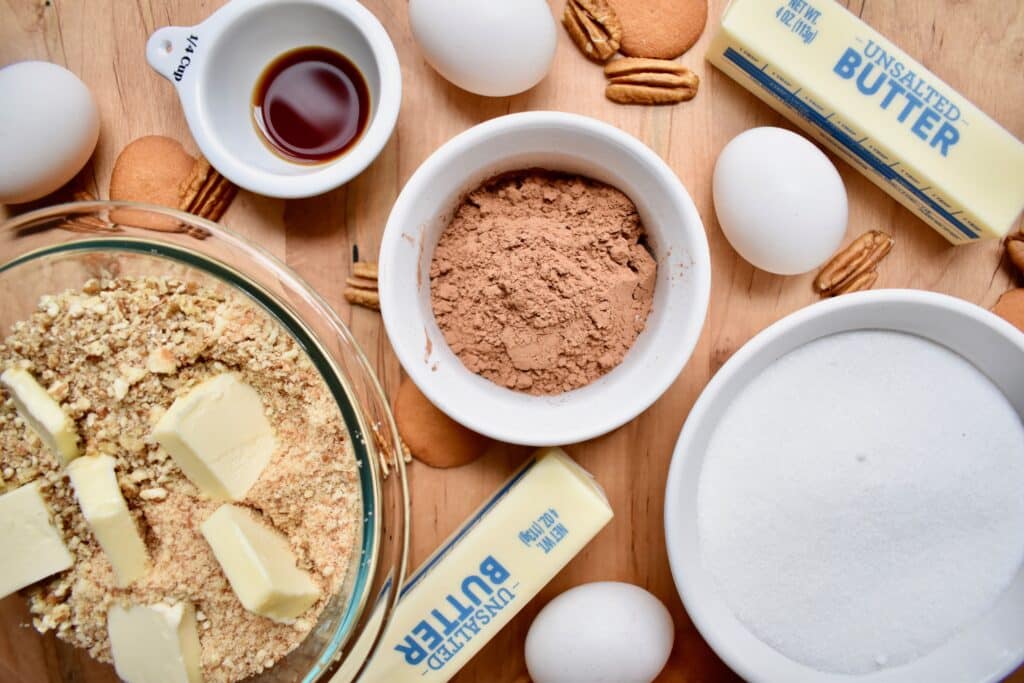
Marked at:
<point>986,650</point>
<point>561,142</point>
<point>216,64</point>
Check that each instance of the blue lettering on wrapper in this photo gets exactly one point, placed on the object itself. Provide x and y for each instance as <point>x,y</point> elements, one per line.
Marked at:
<point>894,90</point>
<point>862,81</point>
<point>919,105</point>
<point>800,18</point>
<point>446,624</point>
<point>454,644</point>
<point>945,138</point>
<point>460,610</point>
<point>912,104</point>
<point>472,627</point>
<point>428,634</point>
<point>545,532</point>
<point>925,123</point>
<point>848,63</point>
<point>411,650</point>
<point>493,571</point>
<point>459,616</point>
<point>470,581</point>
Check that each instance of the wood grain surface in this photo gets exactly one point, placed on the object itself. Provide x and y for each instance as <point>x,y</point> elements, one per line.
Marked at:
<point>977,46</point>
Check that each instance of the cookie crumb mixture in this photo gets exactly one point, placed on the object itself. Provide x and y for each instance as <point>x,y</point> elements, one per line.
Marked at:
<point>542,281</point>
<point>115,355</point>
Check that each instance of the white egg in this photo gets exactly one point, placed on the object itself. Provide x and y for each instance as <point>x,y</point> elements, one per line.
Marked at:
<point>48,129</point>
<point>603,632</point>
<point>483,46</point>
<point>779,200</point>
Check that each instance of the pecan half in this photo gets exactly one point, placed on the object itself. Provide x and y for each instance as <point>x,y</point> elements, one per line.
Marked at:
<point>634,80</point>
<point>858,283</point>
<point>859,258</point>
<point>1015,250</point>
<point>594,27</point>
<point>205,192</point>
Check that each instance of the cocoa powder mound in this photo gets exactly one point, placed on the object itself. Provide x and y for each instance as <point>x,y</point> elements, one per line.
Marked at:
<point>542,281</point>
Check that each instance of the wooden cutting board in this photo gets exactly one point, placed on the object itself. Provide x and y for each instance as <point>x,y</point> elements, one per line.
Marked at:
<point>978,47</point>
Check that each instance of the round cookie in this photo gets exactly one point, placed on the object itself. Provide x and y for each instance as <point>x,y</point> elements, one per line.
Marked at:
<point>432,437</point>
<point>663,29</point>
<point>151,170</point>
<point>1010,308</point>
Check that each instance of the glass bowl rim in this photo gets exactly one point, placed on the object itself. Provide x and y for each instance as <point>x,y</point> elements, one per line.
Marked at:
<point>290,279</point>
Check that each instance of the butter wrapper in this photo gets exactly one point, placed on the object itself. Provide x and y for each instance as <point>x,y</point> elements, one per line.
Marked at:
<point>489,569</point>
<point>858,94</point>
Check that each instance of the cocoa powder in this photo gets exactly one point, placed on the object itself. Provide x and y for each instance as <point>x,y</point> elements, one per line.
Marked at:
<point>542,281</point>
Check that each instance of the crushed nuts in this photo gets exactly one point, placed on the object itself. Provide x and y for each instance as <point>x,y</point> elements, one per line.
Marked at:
<point>157,493</point>
<point>846,269</point>
<point>118,388</point>
<point>147,322</point>
<point>161,361</point>
<point>594,27</point>
<point>633,80</point>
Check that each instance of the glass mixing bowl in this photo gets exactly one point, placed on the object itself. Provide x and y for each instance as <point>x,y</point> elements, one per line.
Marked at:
<point>58,248</point>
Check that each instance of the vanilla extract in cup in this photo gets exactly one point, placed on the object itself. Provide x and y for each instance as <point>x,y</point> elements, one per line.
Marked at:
<point>311,104</point>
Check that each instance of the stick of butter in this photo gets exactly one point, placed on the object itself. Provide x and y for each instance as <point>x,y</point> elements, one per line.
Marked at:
<point>219,436</point>
<point>155,643</point>
<point>32,547</point>
<point>869,102</point>
<point>43,414</point>
<point>489,569</point>
<point>260,566</point>
<point>107,515</point>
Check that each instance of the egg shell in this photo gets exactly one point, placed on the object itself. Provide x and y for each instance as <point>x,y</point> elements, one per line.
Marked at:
<point>603,632</point>
<point>486,47</point>
<point>779,200</point>
<point>49,125</point>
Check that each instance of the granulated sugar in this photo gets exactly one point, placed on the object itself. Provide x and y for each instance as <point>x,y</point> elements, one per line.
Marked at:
<point>861,500</point>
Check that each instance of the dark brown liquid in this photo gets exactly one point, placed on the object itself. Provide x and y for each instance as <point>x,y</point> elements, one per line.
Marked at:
<point>311,104</point>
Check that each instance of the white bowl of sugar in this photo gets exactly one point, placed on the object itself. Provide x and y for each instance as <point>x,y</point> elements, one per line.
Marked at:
<point>846,498</point>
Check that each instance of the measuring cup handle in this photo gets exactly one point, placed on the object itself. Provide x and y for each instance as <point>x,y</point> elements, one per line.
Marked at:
<point>172,51</point>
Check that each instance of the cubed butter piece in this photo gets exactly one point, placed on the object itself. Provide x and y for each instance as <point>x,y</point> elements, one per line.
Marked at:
<point>155,643</point>
<point>32,549</point>
<point>259,564</point>
<point>104,509</point>
<point>43,414</point>
<point>219,436</point>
